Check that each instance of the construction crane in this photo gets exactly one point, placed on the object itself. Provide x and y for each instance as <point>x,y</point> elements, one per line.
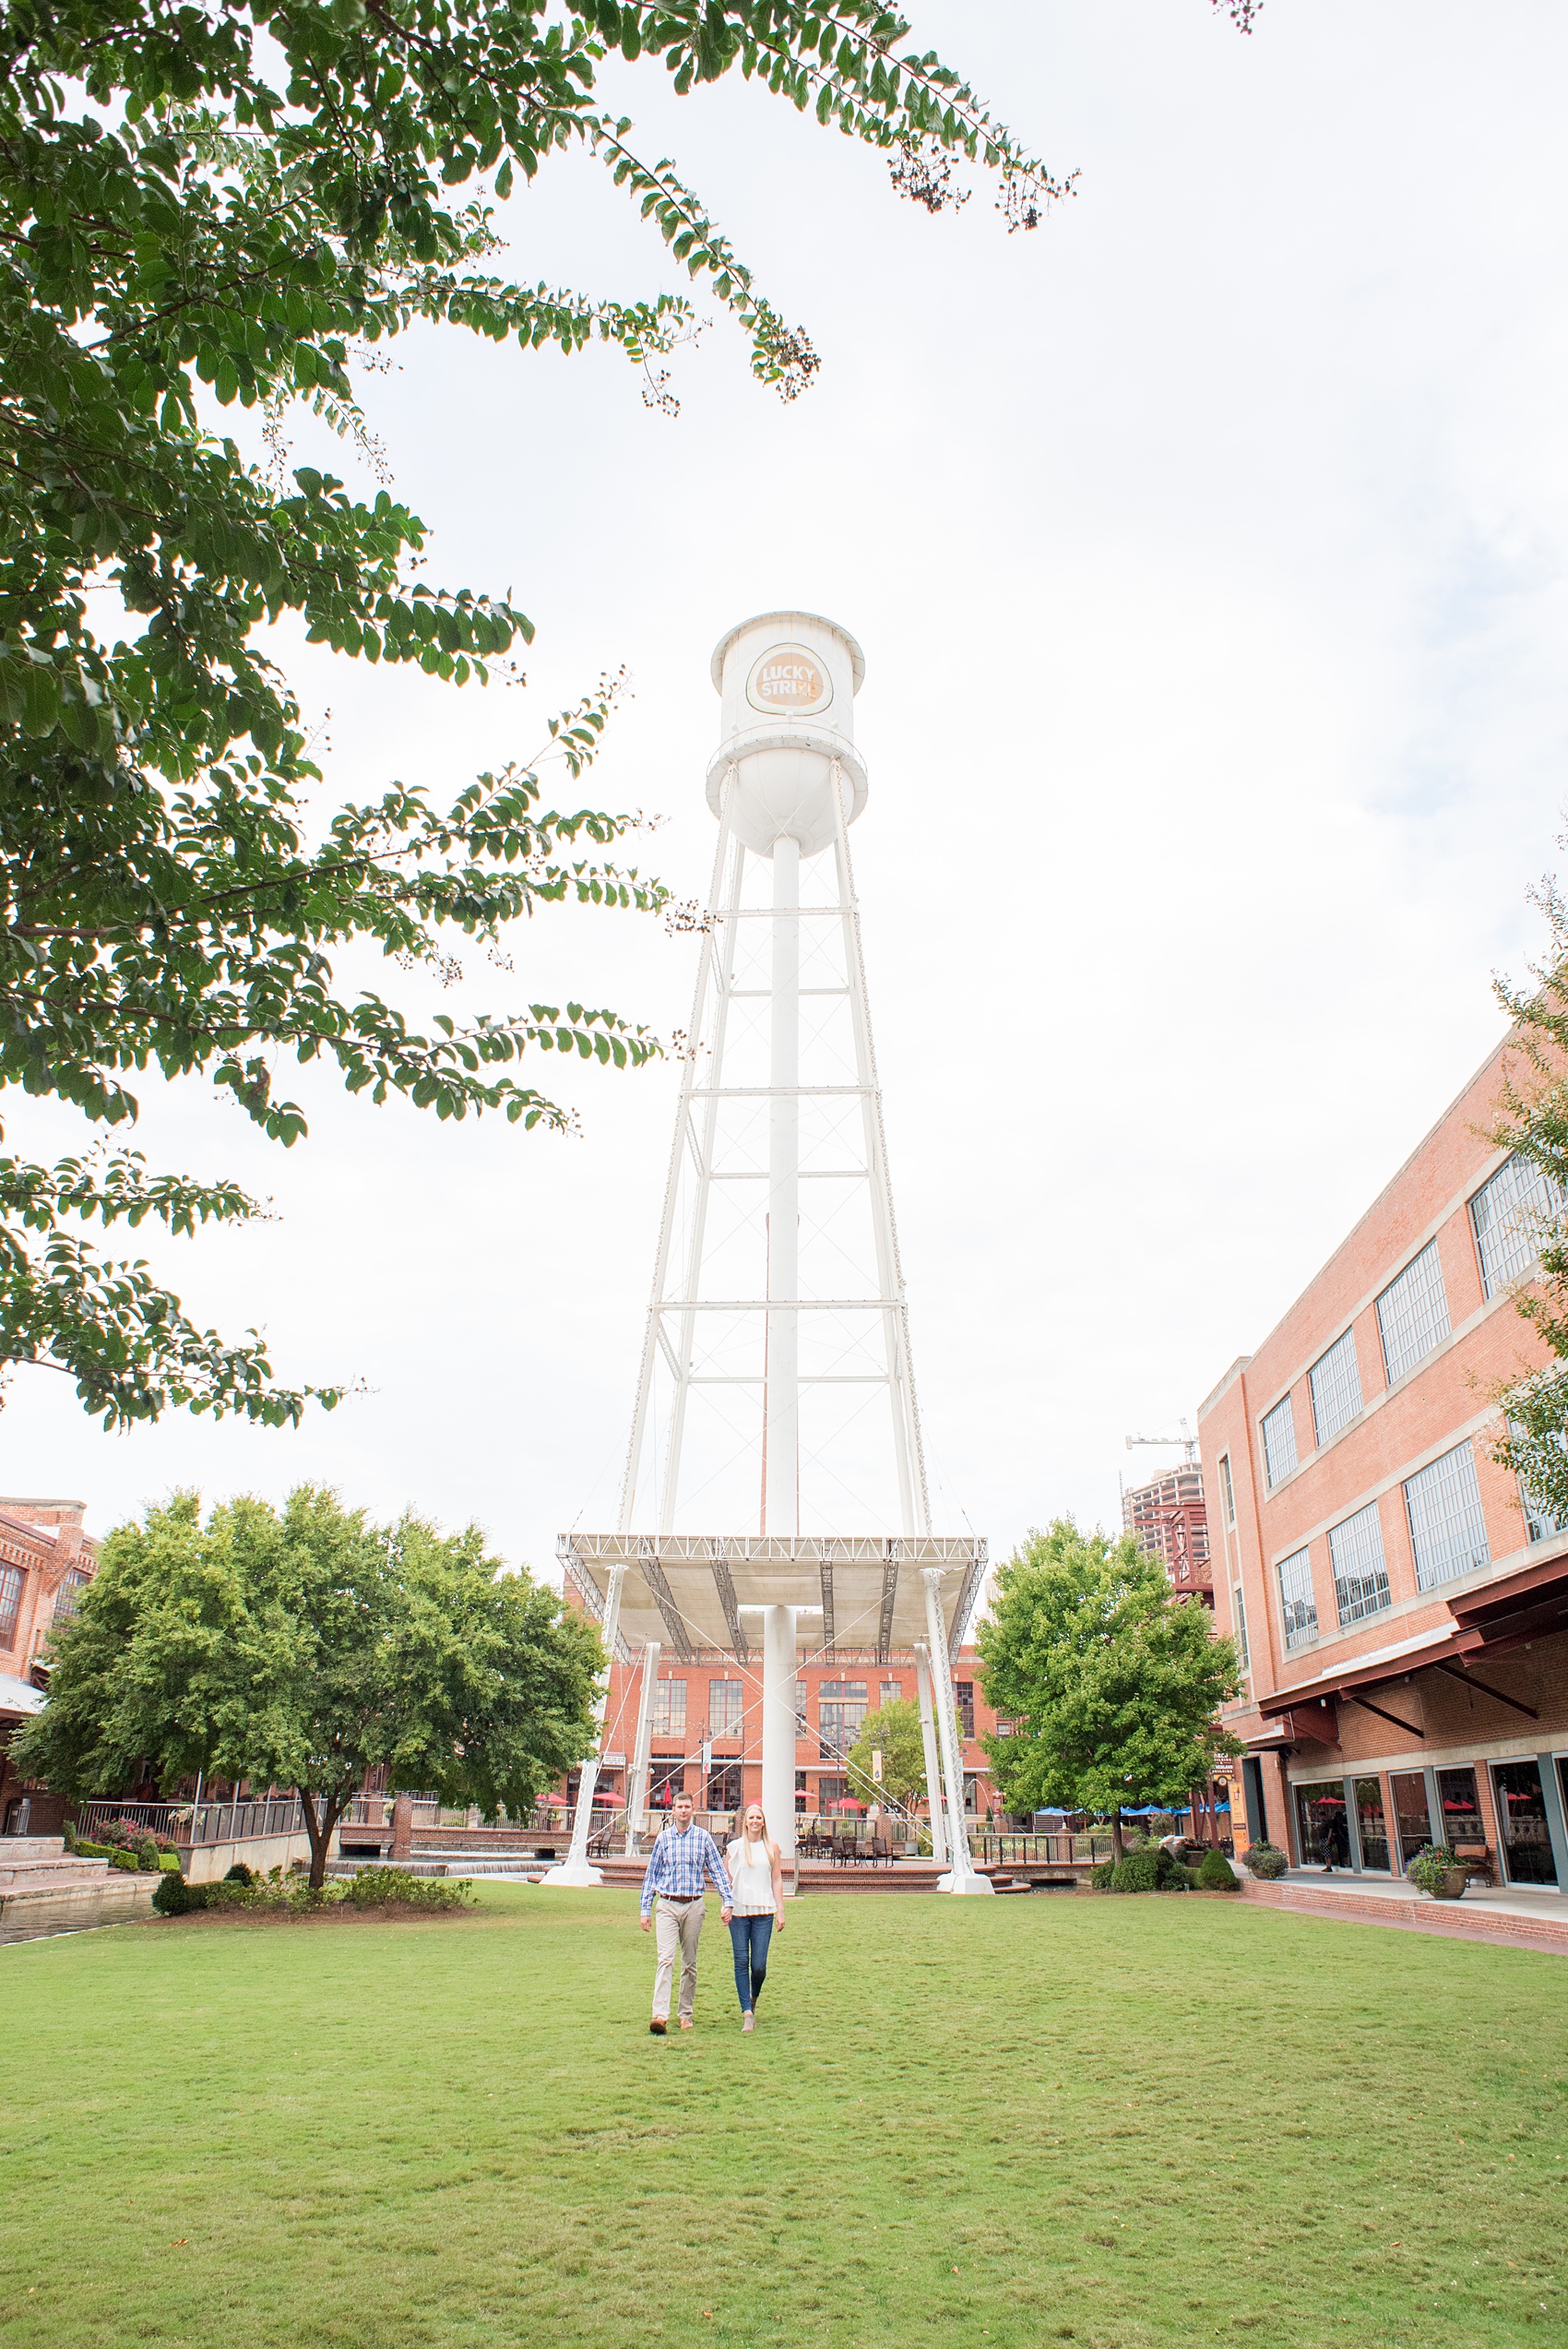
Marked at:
<point>1186,1442</point>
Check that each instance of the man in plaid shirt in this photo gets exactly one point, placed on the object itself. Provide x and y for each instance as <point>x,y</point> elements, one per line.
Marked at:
<point>678,1867</point>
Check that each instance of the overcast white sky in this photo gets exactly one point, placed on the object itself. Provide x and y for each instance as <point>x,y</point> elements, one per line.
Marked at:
<point>1207,551</point>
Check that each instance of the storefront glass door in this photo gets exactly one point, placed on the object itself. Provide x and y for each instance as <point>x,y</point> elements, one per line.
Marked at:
<point>1460,1806</point>
<point>1320,1821</point>
<point>1521,1820</point>
<point>1372,1824</point>
<point>1412,1822</point>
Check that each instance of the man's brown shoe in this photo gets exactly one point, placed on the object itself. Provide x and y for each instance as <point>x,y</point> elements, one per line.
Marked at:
<point>657,2028</point>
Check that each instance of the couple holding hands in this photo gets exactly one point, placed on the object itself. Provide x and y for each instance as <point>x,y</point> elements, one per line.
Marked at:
<point>751,1891</point>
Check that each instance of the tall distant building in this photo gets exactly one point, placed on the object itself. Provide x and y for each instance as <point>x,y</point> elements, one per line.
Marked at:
<point>1170,1521</point>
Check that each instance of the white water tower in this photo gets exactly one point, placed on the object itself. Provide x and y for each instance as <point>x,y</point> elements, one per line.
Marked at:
<point>775,1469</point>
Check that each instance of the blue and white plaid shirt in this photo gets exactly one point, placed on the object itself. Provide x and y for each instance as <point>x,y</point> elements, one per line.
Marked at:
<point>679,1863</point>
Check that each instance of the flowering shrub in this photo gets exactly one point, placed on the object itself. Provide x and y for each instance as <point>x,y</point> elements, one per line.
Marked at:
<point>1264,1861</point>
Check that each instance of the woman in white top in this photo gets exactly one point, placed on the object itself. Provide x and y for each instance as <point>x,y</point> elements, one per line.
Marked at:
<point>757,1874</point>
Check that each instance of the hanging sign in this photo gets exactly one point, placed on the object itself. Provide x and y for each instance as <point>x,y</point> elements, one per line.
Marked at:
<point>789,681</point>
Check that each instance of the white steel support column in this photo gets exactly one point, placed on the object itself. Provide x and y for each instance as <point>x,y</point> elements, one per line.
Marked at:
<point>781,1665</point>
<point>782,1406</point>
<point>908,1452</point>
<point>933,1767</point>
<point>576,1869</point>
<point>963,1876</point>
<point>636,1784</point>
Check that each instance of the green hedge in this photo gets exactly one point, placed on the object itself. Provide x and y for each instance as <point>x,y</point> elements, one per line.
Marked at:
<point>369,1888</point>
<point>1214,1874</point>
<point>1147,1869</point>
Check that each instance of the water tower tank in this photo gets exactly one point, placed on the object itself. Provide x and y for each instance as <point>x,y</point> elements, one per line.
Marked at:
<point>789,682</point>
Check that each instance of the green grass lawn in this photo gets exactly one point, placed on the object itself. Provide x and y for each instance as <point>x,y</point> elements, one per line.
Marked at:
<point>1006,2122</point>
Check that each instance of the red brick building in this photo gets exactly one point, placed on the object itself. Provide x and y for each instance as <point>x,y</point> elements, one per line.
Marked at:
<point>715,1702</point>
<point>46,1558</point>
<point>1401,1604</point>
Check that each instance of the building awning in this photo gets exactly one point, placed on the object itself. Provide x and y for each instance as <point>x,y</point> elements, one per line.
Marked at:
<point>1529,1605</point>
<point>19,1698</point>
<point>1483,1622</point>
<point>1366,1671</point>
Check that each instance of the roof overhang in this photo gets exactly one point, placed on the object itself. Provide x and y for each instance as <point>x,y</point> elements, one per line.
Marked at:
<point>690,1591</point>
<point>19,1698</point>
<point>1487,1621</point>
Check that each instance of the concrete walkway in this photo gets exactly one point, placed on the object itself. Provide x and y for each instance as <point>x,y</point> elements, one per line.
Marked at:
<point>1518,1915</point>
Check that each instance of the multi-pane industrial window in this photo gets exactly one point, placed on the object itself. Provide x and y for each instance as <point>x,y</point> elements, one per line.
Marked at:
<point>1447,1529</point>
<point>10,1603</point>
<point>724,1708</point>
<point>842,1708</point>
<point>69,1595</point>
<point>1539,1522</point>
<point>669,1709</point>
<point>892,1690</point>
<point>1278,1442</point>
<point>1412,1314</point>
<point>1297,1604</point>
<point>799,1707</point>
<point>964,1695</point>
<point>1540,1519</point>
<point>1238,1610</point>
<point>1227,1489</point>
<point>1360,1575</point>
<point>1507,1215</point>
<point>1336,1381</point>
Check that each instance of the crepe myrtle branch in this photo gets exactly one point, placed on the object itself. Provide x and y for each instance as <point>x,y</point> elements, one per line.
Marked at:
<point>129,1343</point>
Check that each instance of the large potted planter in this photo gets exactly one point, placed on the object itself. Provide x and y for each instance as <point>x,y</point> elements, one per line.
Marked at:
<point>1438,1873</point>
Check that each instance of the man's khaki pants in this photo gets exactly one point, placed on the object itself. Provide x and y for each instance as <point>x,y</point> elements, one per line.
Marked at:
<point>677,1925</point>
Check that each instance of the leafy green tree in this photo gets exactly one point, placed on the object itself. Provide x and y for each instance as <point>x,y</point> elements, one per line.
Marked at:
<point>243,205</point>
<point>304,1648</point>
<point>894,1732</point>
<point>1532,1121</point>
<point>1113,1684</point>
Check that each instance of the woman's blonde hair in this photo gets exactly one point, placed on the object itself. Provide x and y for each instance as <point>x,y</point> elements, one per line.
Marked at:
<point>768,1845</point>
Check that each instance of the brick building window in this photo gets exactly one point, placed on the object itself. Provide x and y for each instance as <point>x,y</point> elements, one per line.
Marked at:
<point>1336,1381</point>
<point>669,1709</point>
<point>1278,1442</point>
<point>892,1690</point>
<point>68,1597</point>
<point>1507,1215</point>
<point>832,1793</point>
<point>1360,1573</point>
<point>11,1580</point>
<point>1297,1604</point>
<point>1447,1528</point>
<point>799,1707</point>
<point>964,1697</point>
<point>842,1708</point>
<point>725,1705</point>
<point>1226,1488</point>
<point>1239,1610</point>
<point>1412,1314</point>
<point>724,1787</point>
<point>666,1776</point>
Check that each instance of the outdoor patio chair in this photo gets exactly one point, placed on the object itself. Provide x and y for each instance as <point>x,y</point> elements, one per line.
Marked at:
<point>1478,1862</point>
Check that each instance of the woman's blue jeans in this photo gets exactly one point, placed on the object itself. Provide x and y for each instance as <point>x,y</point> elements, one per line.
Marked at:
<point>749,1937</point>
